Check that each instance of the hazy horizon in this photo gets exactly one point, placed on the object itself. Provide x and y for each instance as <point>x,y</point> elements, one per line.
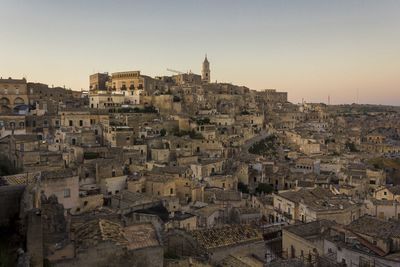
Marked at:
<point>311,49</point>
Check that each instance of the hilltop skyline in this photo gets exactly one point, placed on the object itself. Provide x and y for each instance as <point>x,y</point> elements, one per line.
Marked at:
<point>309,49</point>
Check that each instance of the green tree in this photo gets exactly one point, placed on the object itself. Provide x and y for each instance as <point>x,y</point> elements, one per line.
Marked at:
<point>243,188</point>
<point>163,132</point>
<point>351,146</point>
<point>201,121</point>
<point>195,135</point>
<point>264,188</point>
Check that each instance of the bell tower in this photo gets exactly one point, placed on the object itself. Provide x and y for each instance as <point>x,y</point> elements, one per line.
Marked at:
<point>205,71</point>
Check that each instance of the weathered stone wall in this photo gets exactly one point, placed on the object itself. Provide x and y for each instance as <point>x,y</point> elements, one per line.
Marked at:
<point>34,239</point>
<point>148,257</point>
<point>256,248</point>
<point>107,254</point>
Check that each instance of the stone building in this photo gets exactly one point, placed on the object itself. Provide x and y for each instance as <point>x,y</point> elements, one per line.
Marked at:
<point>101,242</point>
<point>129,81</point>
<point>305,241</point>
<point>80,118</point>
<point>187,79</point>
<point>12,124</point>
<point>119,136</point>
<point>64,184</point>
<point>106,100</point>
<point>98,81</point>
<point>307,205</point>
<point>215,244</point>
<point>365,242</point>
<point>13,92</point>
<point>50,99</point>
<point>388,193</point>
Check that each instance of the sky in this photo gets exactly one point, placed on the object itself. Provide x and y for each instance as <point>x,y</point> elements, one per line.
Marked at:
<point>310,48</point>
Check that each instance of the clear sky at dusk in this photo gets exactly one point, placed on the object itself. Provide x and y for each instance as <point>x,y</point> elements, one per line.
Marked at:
<point>311,49</point>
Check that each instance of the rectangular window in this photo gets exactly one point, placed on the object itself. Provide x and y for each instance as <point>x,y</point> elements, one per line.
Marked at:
<point>71,123</point>
<point>67,193</point>
<point>81,123</point>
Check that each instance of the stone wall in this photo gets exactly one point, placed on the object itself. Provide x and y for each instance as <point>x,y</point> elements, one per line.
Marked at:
<point>34,239</point>
<point>107,254</point>
<point>256,248</point>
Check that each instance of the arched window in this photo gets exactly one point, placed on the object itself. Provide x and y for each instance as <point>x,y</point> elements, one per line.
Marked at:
<point>19,101</point>
<point>4,101</point>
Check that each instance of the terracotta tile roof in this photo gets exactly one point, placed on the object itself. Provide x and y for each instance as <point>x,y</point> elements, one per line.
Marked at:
<point>375,227</point>
<point>141,236</point>
<point>394,189</point>
<point>99,230</point>
<point>57,174</point>
<point>310,230</point>
<point>226,236</point>
<point>207,211</point>
<point>20,179</point>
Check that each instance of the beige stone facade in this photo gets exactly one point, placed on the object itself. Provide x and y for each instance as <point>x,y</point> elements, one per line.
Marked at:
<point>13,93</point>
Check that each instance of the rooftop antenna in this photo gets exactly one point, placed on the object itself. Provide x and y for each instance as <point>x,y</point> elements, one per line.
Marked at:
<point>329,100</point>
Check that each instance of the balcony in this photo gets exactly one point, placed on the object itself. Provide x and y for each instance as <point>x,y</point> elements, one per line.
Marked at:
<point>278,210</point>
<point>284,213</point>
